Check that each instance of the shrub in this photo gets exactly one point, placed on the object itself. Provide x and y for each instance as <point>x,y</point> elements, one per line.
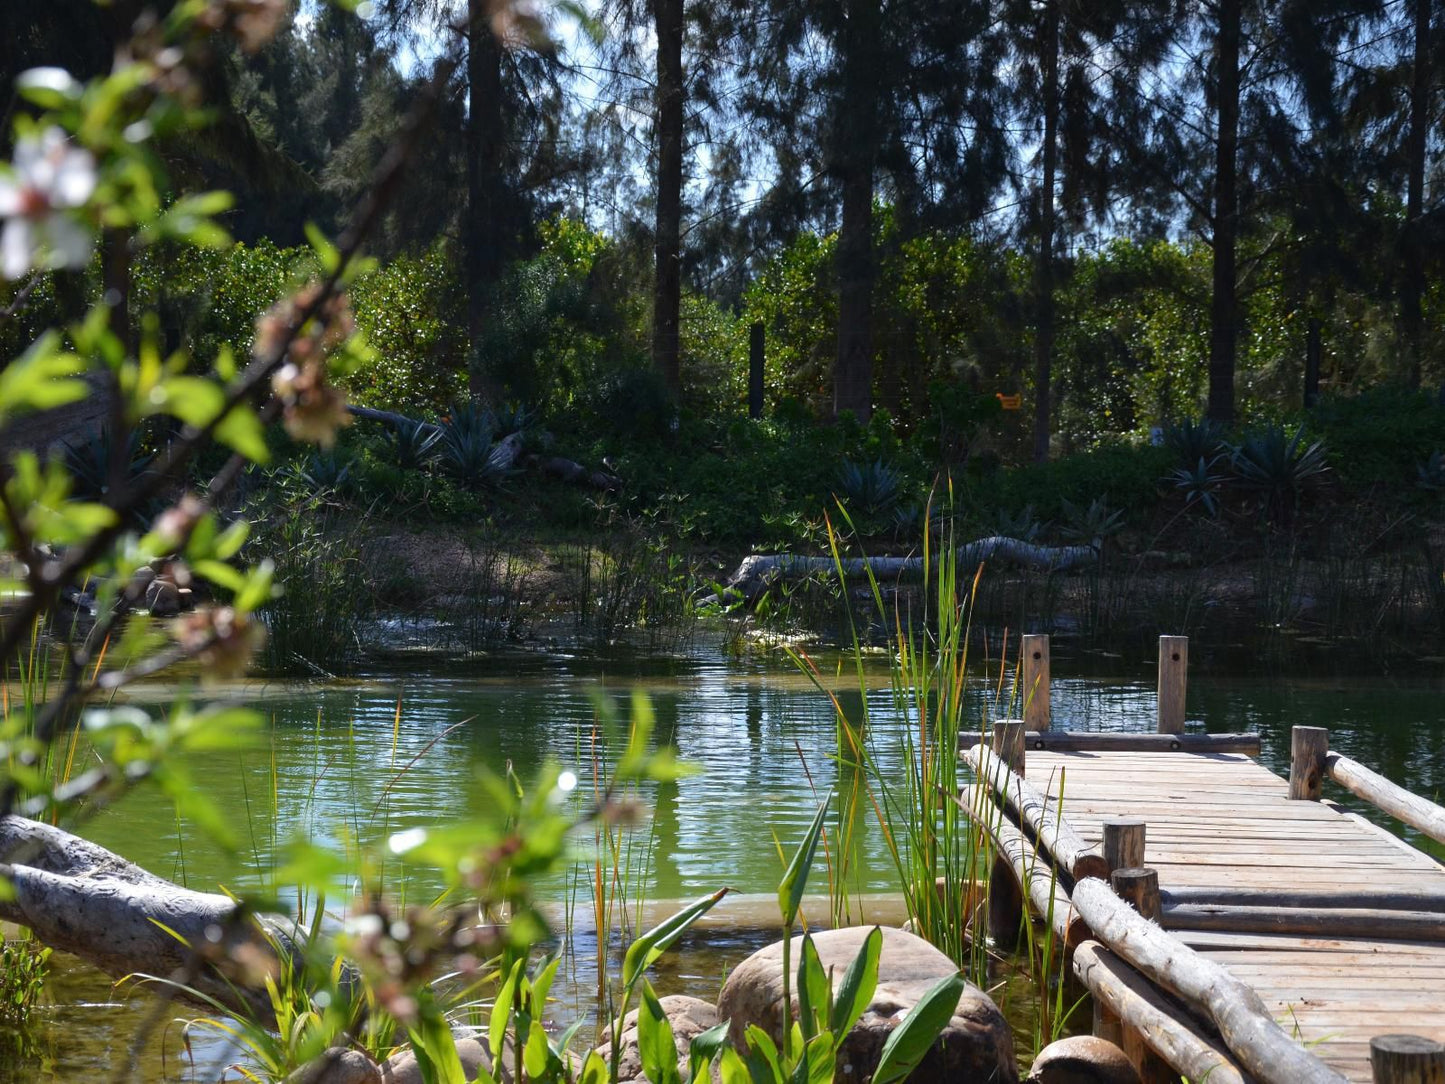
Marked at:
<point>1378,438</point>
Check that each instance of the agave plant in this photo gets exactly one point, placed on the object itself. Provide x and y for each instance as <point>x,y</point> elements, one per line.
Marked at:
<point>1279,466</point>
<point>513,417</point>
<point>1094,525</point>
<point>468,453</point>
<point>1194,439</point>
<point>869,489</point>
<point>414,444</point>
<point>325,472</point>
<point>1200,484</point>
<point>1023,524</point>
<point>92,464</point>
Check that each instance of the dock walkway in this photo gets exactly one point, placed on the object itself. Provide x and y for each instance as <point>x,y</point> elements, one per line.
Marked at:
<point>1222,821</point>
<point>1231,925</point>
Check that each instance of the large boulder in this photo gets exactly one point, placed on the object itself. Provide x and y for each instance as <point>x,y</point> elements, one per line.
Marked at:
<point>689,1017</point>
<point>402,1068</point>
<point>976,1046</point>
<point>1082,1059</point>
<point>338,1066</point>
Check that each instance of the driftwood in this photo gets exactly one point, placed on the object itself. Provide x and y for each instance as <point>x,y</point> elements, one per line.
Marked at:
<point>1039,815</point>
<point>1140,1006</point>
<point>1259,1044</point>
<point>508,452</point>
<point>81,898</point>
<point>1033,873</point>
<point>760,570</point>
<point>1423,816</point>
<point>1077,741</point>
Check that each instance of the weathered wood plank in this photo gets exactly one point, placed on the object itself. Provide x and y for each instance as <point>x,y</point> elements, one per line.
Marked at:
<point>1079,741</point>
<point>1340,922</point>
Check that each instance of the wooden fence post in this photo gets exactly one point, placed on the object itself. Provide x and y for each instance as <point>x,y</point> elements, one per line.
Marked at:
<point>1005,905</point>
<point>1034,659</point>
<point>1406,1059</point>
<point>1173,678</point>
<point>1008,743</point>
<point>1139,888</point>
<point>1308,746</point>
<point>1123,843</point>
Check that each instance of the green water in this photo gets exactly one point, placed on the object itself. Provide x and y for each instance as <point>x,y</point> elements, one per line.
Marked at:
<point>334,752</point>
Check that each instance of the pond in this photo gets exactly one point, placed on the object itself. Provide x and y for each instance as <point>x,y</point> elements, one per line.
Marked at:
<point>401,748</point>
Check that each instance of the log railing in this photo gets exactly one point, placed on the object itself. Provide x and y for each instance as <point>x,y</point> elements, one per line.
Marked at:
<point>1311,762</point>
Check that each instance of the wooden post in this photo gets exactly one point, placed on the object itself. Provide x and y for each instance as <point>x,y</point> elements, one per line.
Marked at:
<point>1107,1026</point>
<point>1151,1067</point>
<point>1308,746</point>
<point>1008,743</point>
<point>1139,888</point>
<point>1034,656</point>
<point>1005,905</point>
<point>1407,1059</point>
<point>1123,843</point>
<point>1173,675</point>
<point>755,370</point>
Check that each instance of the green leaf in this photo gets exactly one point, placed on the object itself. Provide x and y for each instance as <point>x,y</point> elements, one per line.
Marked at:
<point>731,1068</point>
<point>859,983</point>
<point>652,944</point>
<point>820,1060</point>
<point>594,1070</point>
<point>703,1049</point>
<point>193,399</point>
<point>541,985</point>
<point>218,572</point>
<point>655,1044</point>
<point>436,1050</point>
<point>502,1011</point>
<point>242,432</point>
<point>536,1053</point>
<point>795,880</point>
<point>326,253</point>
<point>232,539</point>
<point>912,1038</point>
<point>814,990</point>
<point>41,378</point>
<point>763,1055</point>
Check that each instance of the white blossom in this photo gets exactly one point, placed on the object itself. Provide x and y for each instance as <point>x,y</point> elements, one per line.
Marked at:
<point>48,178</point>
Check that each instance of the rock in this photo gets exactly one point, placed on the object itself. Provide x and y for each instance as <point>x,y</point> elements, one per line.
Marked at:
<point>975,1046</point>
<point>141,580</point>
<point>1082,1059</point>
<point>689,1017</point>
<point>338,1066</point>
<point>163,598</point>
<point>402,1068</point>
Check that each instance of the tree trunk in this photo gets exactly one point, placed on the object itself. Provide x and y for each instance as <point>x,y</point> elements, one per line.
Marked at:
<point>487,213</point>
<point>1224,308</point>
<point>857,133</point>
<point>667,293</point>
<point>1044,332</point>
<point>1412,276</point>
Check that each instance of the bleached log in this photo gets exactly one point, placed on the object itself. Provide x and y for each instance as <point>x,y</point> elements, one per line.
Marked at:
<point>1422,815</point>
<point>80,898</point>
<point>758,571</point>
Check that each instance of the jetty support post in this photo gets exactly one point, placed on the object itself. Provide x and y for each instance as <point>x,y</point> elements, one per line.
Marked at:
<point>1139,887</point>
<point>1005,894</point>
<point>1406,1059</point>
<point>1124,843</point>
<point>1034,678</point>
<point>1308,747</point>
<point>1173,677</point>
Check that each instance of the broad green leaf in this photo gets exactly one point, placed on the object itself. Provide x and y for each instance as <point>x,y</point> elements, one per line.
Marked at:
<point>820,1060</point>
<point>652,944</point>
<point>795,880</point>
<point>220,573</point>
<point>732,1069</point>
<point>536,1052</point>
<point>703,1049</point>
<point>326,253</point>
<point>761,1048</point>
<point>436,1050</point>
<point>195,804</point>
<point>193,399</point>
<point>859,983</point>
<point>502,1011</point>
<point>814,990</point>
<point>242,432</point>
<point>912,1038</point>
<point>655,1044</point>
<point>594,1070</point>
<point>232,539</point>
<point>41,378</point>
<point>541,985</point>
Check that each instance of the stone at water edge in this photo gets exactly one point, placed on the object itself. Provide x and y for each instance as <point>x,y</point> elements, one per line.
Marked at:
<point>402,1068</point>
<point>689,1017</point>
<point>163,598</point>
<point>975,1048</point>
<point>1082,1059</point>
<point>338,1066</point>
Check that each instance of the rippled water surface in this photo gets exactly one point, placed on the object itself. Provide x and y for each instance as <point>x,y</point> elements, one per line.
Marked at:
<point>396,750</point>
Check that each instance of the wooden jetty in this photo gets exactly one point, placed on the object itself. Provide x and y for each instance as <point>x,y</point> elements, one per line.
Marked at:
<point>1230,924</point>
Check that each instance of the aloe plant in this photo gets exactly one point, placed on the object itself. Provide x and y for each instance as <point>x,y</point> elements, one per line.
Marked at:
<point>414,445</point>
<point>1281,467</point>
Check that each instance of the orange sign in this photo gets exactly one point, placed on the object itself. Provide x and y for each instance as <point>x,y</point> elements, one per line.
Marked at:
<point>1009,402</point>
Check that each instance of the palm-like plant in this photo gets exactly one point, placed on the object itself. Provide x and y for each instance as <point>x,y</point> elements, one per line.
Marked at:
<point>1280,466</point>
<point>414,445</point>
<point>1194,439</point>
<point>1200,483</point>
<point>869,489</point>
<point>467,450</point>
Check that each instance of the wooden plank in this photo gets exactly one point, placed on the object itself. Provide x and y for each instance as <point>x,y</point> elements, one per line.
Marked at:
<point>1123,741</point>
<point>1284,897</point>
<point>1339,922</point>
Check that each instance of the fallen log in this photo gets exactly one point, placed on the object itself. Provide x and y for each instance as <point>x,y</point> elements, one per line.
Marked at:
<point>758,571</point>
<point>1260,1045</point>
<point>80,898</point>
